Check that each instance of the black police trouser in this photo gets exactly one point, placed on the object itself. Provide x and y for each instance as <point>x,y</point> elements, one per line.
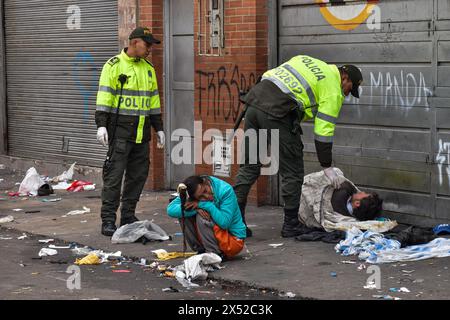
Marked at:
<point>133,160</point>
<point>291,167</point>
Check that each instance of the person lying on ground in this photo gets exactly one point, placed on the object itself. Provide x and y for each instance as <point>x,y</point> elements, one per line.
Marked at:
<point>326,212</point>
<point>212,220</point>
<point>324,206</point>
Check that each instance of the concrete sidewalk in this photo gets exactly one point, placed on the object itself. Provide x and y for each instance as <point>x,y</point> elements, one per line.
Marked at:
<point>304,268</point>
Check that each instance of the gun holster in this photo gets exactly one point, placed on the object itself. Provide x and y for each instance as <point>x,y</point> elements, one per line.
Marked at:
<point>107,164</point>
<point>297,116</point>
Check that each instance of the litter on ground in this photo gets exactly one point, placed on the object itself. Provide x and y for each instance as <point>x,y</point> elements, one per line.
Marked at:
<point>6,219</point>
<point>44,252</point>
<point>276,245</point>
<point>77,212</point>
<point>90,259</point>
<point>163,255</point>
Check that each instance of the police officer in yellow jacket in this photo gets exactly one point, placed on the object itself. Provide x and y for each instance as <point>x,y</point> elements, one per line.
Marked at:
<point>128,106</point>
<point>303,88</point>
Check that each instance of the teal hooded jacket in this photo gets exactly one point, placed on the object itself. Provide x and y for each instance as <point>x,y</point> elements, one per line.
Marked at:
<point>224,210</point>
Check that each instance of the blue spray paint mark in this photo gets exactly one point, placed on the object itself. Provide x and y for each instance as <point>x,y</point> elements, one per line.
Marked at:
<point>84,68</point>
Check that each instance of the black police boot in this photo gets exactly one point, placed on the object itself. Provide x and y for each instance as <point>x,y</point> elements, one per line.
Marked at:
<point>292,227</point>
<point>248,231</point>
<point>128,220</point>
<point>108,228</point>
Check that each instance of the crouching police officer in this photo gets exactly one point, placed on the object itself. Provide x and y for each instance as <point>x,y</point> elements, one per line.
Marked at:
<point>303,88</point>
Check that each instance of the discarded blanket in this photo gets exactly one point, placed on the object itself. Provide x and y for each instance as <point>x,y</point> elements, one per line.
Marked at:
<point>132,232</point>
<point>438,248</point>
<point>365,244</point>
<point>376,248</point>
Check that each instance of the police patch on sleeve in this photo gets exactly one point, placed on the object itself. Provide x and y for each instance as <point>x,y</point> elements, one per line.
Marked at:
<point>113,61</point>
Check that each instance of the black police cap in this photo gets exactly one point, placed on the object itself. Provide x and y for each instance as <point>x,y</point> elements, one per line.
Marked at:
<point>144,34</point>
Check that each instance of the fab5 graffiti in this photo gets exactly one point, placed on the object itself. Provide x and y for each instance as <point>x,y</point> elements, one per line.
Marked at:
<point>443,162</point>
<point>219,91</point>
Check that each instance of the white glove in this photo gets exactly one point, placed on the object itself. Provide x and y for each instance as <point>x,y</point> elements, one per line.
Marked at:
<point>161,139</point>
<point>334,178</point>
<point>102,136</point>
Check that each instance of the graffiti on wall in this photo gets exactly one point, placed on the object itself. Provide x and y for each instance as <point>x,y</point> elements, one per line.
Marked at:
<point>404,89</point>
<point>85,77</point>
<point>218,91</point>
<point>443,161</point>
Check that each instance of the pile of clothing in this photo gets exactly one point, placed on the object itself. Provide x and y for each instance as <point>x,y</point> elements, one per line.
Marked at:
<point>396,246</point>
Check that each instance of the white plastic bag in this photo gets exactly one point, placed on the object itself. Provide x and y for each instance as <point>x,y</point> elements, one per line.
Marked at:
<point>181,278</point>
<point>129,233</point>
<point>65,176</point>
<point>47,252</point>
<point>31,183</point>
<point>61,186</point>
<point>77,212</point>
<point>195,267</point>
<point>6,219</point>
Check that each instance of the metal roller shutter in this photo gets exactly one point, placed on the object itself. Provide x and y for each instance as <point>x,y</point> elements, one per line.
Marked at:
<point>396,139</point>
<point>52,76</point>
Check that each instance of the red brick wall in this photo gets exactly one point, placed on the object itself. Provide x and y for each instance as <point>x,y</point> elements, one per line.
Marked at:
<point>219,79</point>
<point>151,15</point>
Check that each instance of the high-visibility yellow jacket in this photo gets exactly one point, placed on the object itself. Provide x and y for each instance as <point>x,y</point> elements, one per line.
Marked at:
<point>316,88</point>
<point>140,105</point>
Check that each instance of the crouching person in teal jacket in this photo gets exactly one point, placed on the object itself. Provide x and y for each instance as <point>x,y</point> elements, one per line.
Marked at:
<point>213,221</point>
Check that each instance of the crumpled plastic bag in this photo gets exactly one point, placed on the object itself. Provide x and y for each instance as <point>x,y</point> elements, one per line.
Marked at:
<point>77,212</point>
<point>181,278</point>
<point>6,219</point>
<point>31,183</point>
<point>197,267</point>
<point>47,252</point>
<point>132,232</point>
<point>66,175</point>
<point>90,259</point>
<point>61,186</point>
<point>81,251</point>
